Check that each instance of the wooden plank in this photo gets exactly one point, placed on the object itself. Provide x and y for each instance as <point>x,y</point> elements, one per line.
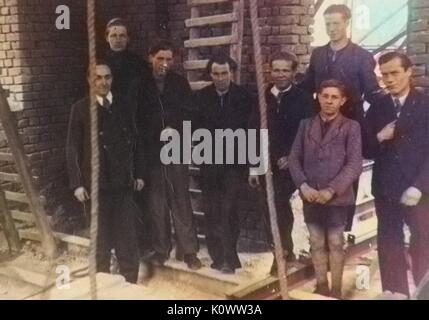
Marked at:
<point>80,241</point>
<point>12,177</point>
<point>195,3</point>
<point>211,20</point>
<point>193,54</point>
<point>22,216</point>
<point>197,85</point>
<point>195,64</point>
<point>8,225</point>
<point>210,42</point>
<point>16,196</point>
<point>238,30</point>
<point>6,157</point>
<point>16,146</point>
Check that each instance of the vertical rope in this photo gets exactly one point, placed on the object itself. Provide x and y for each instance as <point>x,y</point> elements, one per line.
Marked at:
<point>278,250</point>
<point>95,165</point>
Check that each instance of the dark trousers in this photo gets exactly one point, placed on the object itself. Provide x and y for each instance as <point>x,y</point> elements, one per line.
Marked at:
<point>221,186</point>
<point>284,188</point>
<point>168,191</point>
<point>116,220</point>
<point>393,266</point>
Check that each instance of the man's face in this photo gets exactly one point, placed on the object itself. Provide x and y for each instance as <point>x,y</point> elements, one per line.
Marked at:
<point>282,73</point>
<point>395,77</point>
<point>103,80</point>
<point>161,63</point>
<point>331,100</point>
<point>117,38</point>
<point>221,75</point>
<point>336,26</point>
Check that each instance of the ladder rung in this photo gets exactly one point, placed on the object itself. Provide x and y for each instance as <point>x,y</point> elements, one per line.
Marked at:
<point>197,85</point>
<point>6,157</point>
<point>16,196</point>
<point>12,177</point>
<point>22,216</point>
<point>210,42</point>
<point>195,3</point>
<point>195,64</point>
<point>211,20</point>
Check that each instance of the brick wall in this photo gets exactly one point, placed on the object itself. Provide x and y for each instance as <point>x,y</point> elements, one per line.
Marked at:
<point>418,41</point>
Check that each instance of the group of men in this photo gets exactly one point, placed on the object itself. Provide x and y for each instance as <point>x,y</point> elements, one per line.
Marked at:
<point>316,146</point>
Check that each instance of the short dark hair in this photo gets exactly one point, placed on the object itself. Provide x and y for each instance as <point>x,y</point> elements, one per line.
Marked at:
<point>339,8</point>
<point>405,60</point>
<point>99,62</point>
<point>333,83</point>
<point>221,59</point>
<point>162,45</point>
<point>286,56</point>
<point>115,22</point>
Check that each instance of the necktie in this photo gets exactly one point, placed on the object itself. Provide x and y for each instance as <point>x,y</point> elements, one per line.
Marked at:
<point>222,100</point>
<point>279,97</point>
<point>398,105</point>
<point>106,103</point>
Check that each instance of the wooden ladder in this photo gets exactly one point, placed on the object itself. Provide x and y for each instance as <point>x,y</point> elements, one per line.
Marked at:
<point>22,201</point>
<point>235,18</point>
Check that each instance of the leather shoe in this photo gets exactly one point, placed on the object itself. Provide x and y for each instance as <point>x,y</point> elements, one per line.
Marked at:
<point>192,261</point>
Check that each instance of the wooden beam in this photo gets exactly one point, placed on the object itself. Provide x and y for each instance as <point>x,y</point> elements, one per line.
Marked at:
<point>210,42</point>
<point>6,157</point>
<point>17,148</point>
<point>237,31</point>
<point>211,20</point>
<point>22,216</point>
<point>6,220</point>
<point>16,196</point>
<point>197,85</point>
<point>11,177</point>
<point>195,3</point>
<point>195,64</point>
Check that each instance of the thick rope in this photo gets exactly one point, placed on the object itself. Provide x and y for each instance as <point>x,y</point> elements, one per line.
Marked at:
<point>95,164</point>
<point>278,250</point>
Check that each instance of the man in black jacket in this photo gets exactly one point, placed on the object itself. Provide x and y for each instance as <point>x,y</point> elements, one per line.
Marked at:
<point>119,165</point>
<point>347,62</point>
<point>396,131</point>
<point>287,105</point>
<point>223,105</point>
<point>125,64</point>
<point>163,102</point>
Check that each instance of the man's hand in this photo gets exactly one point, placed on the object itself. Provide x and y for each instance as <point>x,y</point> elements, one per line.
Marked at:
<point>282,163</point>
<point>253,181</point>
<point>387,133</point>
<point>325,195</point>
<point>81,194</point>
<point>138,184</point>
<point>411,197</point>
<point>310,194</point>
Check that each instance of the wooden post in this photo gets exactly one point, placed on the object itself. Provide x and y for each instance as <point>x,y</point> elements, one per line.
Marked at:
<point>9,125</point>
<point>8,226</point>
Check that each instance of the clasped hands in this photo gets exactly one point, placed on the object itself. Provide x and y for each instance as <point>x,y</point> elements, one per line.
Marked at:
<point>312,195</point>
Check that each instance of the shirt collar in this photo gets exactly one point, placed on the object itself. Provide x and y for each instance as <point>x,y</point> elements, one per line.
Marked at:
<point>401,99</point>
<point>275,91</point>
<point>109,98</point>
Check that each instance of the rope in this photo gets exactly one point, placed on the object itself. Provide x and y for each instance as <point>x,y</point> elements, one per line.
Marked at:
<point>278,250</point>
<point>95,164</point>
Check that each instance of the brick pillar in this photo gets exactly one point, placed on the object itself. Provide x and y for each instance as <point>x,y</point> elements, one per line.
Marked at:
<point>418,41</point>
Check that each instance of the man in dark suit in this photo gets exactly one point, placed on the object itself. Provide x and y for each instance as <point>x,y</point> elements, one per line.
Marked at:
<point>119,166</point>
<point>325,161</point>
<point>125,64</point>
<point>223,105</point>
<point>287,106</point>
<point>163,102</point>
<point>347,62</point>
<point>396,135</point>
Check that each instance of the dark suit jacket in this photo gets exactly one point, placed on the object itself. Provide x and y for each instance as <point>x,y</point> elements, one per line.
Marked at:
<point>334,161</point>
<point>354,67</point>
<point>284,119</point>
<point>403,161</point>
<point>235,114</point>
<point>119,152</point>
<point>156,111</point>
